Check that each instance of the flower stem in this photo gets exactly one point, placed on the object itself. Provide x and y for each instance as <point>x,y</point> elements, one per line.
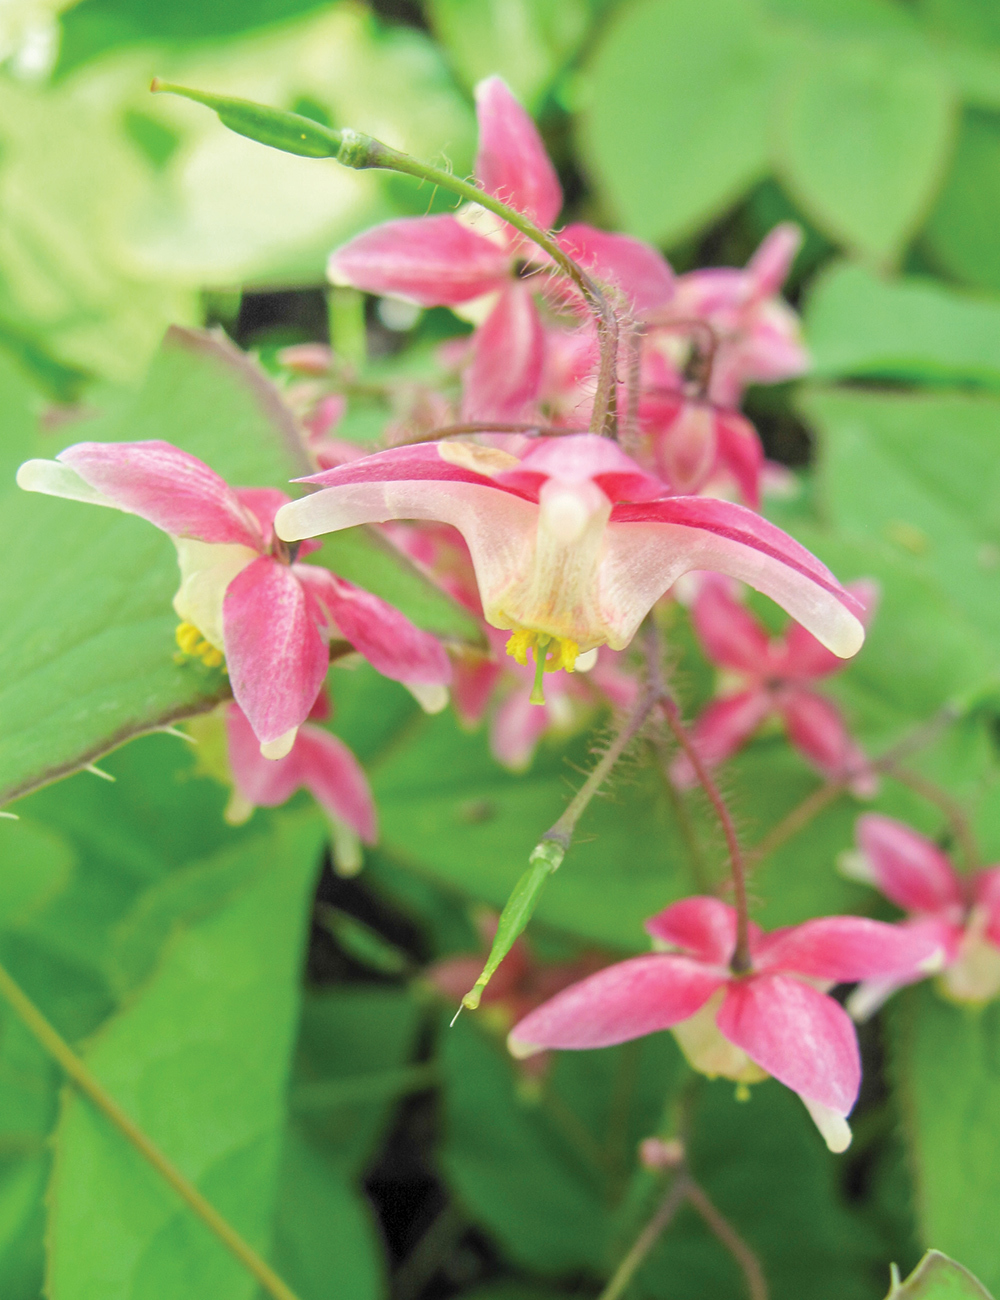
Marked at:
<point>492,426</point>
<point>952,809</point>
<point>731,1239</point>
<point>646,1239</point>
<point>74,1067</point>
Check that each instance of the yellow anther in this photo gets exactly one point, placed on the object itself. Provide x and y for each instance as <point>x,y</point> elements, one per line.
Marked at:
<point>194,645</point>
<point>552,654</point>
<point>519,643</point>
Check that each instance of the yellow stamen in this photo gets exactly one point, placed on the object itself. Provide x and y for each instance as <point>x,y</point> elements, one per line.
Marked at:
<point>194,646</point>
<point>552,654</point>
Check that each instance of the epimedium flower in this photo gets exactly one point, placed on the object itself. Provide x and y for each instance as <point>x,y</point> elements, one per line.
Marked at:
<point>573,543</point>
<point>756,335</point>
<point>960,913</point>
<point>244,594</point>
<point>770,677</point>
<point>771,1020</point>
<point>317,762</point>
<point>475,262</point>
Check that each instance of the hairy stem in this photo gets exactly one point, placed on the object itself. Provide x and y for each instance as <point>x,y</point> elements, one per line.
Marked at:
<point>74,1067</point>
<point>491,426</point>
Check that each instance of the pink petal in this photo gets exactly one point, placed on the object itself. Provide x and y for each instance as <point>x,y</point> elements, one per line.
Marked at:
<point>818,731</point>
<point>908,868</point>
<point>263,504</point>
<point>505,376</point>
<point>393,645</point>
<point>740,451</point>
<point>846,948</point>
<point>724,727</point>
<point>516,729</point>
<point>263,782</point>
<point>580,458</point>
<point>768,269</point>
<point>276,656</point>
<point>333,776</point>
<point>729,634</point>
<point>435,261</point>
<point>639,270</point>
<point>805,657</point>
<point>703,927</point>
<point>797,1034</point>
<point>424,461</point>
<point>172,489</point>
<point>472,685</point>
<point>627,1000</point>
<point>685,533</point>
<point>683,436</point>
<point>512,163</point>
<point>986,891</point>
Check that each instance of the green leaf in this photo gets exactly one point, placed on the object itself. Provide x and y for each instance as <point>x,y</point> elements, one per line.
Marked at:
<point>864,132</point>
<point>946,1067</point>
<point>525,41</point>
<point>961,231</point>
<point>937,1277</point>
<point>676,106</point>
<point>199,1059</point>
<point>861,326</point>
<point>324,1235</point>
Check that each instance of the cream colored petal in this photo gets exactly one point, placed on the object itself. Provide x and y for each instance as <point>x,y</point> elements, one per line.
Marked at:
<point>55,479</point>
<point>207,569</point>
<point>275,749</point>
<point>835,1129</point>
<point>431,698</point>
<point>708,1052</point>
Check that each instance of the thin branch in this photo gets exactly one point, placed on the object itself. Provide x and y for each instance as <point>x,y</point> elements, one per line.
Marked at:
<point>952,809</point>
<point>74,1067</point>
<point>731,1239</point>
<point>646,1239</point>
<point>489,426</point>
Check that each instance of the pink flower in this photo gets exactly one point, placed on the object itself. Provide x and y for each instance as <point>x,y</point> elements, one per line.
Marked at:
<point>771,1020</point>
<point>573,543</point>
<point>242,594</point>
<point>693,443</point>
<point>473,260</point>
<point>317,762</point>
<point>773,678</point>
<point>961,914</point>
<point>758,339</point>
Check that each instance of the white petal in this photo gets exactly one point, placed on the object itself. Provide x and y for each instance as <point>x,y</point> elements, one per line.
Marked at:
<point>431,698</point>
<point>835,1129</point>
<point>207,569</point>
<point>585,662</point>
<point>276,749</point>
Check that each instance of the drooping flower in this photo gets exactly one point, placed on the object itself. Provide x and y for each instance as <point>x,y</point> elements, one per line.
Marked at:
<point>573,543</point>
<point>317,762</point>
<point>960,913</point>
<point>475,262</point>
<point>770,677</point>
<point>772,1020</point>
<point>243,594</point>
<point>756,335</point>
<point>691,443</point>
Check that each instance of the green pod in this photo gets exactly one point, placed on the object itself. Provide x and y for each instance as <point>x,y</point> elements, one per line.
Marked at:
<point>289,132</point>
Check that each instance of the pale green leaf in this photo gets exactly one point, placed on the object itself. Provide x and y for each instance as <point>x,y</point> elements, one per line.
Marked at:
<point>961,231</point>
<point>937,1277</point>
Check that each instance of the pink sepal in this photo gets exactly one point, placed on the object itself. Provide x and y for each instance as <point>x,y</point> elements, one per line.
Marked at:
<point>435,261</point>
<point>399,464</point>
<point>817,730</point>
<point>702,927</point>
<point>768,268</point>
<point>907,867</point>
<point>803,656</point>
<point>797,1034</point>
<point>627,1000</point>
<point>639,270</point>
<point>263,504</point>
<point>512,163</point>
<point>844,949</point>
<point>505,376</point>
<point>516,728</point>
<point>317,762</point>
<point>577,459</point>
<point>729,633</point>
<point>276,655</point>
<point>166,486</point>
<point>472,686</point>
<point>723,728</point>
<point>741,452</point>
<point>393,645</point>
<point>986,890</point>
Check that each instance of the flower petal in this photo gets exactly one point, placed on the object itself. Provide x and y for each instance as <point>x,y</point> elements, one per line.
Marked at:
<point>333,776</point>
<point>627,1000</point>
<point>263,782</point>
<point>986,889</point>
<point>639,270</point>
<point>652,543</point>
<point>512,163</point>
<point>276,656</point>
<point>516,728</point>
<point>847,948</point>
<point>504,379</point>
<point>435,261</point>
<point>724,727</point>
<point>768,269</point>
<point>155,480</point>
<point>577,459</point>
<point>393,645</point>
<point>804,657</point>
<point>703,927</point>
<point>817,729</point>
<point>741,452</point>
<point>907,867</point>
<point>798,1035</point>
<point>730,635</point>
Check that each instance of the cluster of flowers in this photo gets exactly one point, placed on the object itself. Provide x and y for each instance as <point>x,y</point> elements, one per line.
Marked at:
<point>562,542</point>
